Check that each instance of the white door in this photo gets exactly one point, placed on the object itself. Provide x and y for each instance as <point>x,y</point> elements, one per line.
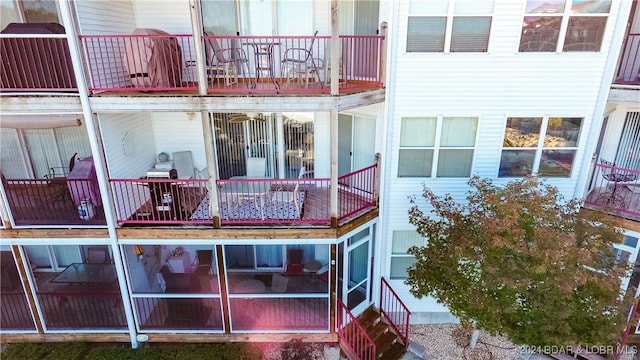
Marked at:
<point>356,142</point>
<point>356,280</point>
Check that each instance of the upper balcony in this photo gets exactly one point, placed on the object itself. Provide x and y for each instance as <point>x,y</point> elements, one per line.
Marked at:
<point>184,47</point>
<point>629,67</point>
<point>150,61</point>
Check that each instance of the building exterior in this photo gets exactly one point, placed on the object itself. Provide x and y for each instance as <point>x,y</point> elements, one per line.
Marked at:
<point>295,145</point>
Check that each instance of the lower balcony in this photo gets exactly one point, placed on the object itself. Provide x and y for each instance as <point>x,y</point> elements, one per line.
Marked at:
<point>55,201</point>
<point>242,201</point>
<point>615,190</point>
<point>87,305</point>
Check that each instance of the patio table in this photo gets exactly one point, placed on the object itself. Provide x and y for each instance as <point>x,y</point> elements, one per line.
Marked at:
<point>87,274</point>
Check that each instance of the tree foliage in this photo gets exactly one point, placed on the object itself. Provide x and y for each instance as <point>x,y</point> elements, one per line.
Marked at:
<point>521,261</point>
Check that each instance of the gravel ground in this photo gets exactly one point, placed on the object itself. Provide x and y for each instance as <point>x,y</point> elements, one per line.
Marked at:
<point>449,341</point>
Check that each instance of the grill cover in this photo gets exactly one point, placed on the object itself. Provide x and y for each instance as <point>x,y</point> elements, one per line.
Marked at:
<point>153,61</point>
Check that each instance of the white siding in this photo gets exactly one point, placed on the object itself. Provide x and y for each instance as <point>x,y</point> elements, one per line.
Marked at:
<point>129,152</point>
<point>491,86</point>
<point>180,132</point>
<point>106,17</point>
<point>173,16</point>
<point>117,129</point>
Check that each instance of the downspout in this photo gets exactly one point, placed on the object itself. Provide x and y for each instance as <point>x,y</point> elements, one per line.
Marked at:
<point>608,75</point>
<point>75,50</point>
<point>383,246</point>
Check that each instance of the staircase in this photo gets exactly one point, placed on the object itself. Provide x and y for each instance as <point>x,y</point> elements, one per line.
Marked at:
<point>377,333</point>
<point>389,345</point>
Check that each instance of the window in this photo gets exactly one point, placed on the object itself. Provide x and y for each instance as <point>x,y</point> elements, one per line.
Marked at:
<point>449,25</point>
<point>564,25</point>
<point>545,146</point>
<point>401,260</point>
<point>452,157</point>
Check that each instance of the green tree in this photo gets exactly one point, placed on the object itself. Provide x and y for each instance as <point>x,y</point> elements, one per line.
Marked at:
<point>519,260</point>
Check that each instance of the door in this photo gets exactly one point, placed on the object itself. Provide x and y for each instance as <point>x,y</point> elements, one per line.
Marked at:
<point>344,143</point>
<point>363,148</point>
<point>259,135</point>
<point>356,142</point>
<point>220,17</point>
<point>356,284</point>
<point>357,58</point>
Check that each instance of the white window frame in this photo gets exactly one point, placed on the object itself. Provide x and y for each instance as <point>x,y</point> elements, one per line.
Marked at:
<point>449,17</point>
<point>398,255</point>
<point>540,146</point>
<point>437,147</point>
<point>564,25</point>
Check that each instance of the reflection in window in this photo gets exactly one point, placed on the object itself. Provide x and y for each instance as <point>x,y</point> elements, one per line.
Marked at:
<point>523,154</point>
<point>541,27</point>
<point>522,132</point>
<point>584,33</point>
<point>516,163</point>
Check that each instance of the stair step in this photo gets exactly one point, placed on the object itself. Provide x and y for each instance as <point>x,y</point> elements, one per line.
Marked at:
<point>394,352</point>
<point>384,341</point>
<point>378,330</point>
<point>369,318</point>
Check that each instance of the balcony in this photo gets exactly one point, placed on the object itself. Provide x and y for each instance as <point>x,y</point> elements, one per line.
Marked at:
<point>291,202</point>
<point>629,67</point>
<point>36,63</point>
<point>56,201</point>
<point>233,64</point>
<point>615,190</point>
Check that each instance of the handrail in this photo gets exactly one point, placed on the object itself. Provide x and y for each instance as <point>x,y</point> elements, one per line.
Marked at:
<point>614,189</point>
<point>355,338</point>
<point>629,63</point>
<point>627,330</point>
<point>394,313</point>
<point>357,191</point>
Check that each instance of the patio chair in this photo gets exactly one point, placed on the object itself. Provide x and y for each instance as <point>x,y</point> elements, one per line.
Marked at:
<point>97,255</point>
<point>283,196</point>
<point>616,176</point>
<point>226,61</point>
<point>299,63</point>
<point>61,171</point>
<point>295,262</point>
<point>256,167</point>
<point>279,283</point>
<point>205,258</point>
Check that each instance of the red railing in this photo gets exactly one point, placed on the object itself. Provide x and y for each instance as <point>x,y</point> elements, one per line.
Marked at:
<point>629,67</point>
<point>36,63</point>
<point>356,191</point>
<point>272,201</point>
<point>394,310</point>
<point>140,62</point>
<point>234,64</point>
<point>615,189</point>
<point>54,201</point>
<point>160,201</point>
<point>353,336</point>
<point>633,324</point>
